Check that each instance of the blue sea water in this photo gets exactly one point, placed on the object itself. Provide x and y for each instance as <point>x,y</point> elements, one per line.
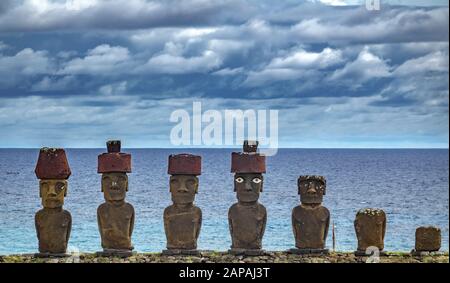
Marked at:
<point>411,185</point>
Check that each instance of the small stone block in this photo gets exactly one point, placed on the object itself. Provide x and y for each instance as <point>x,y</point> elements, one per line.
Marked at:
<point>180,252</point>
<point>363,253</point>
<point>309,251</point>
<point>116,253</point>
<point>50,255</point>
<point>247,252</point>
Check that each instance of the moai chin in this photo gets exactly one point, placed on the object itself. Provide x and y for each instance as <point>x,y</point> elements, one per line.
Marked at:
<point>370,228</point>
<point>247,218</point>
<point>53,223</point>
<point>115,216</point>
<point>182,219</point>
<point>428,239</point>
<point>310,220</point>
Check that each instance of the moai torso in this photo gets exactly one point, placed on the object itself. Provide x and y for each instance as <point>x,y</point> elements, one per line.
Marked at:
<point>310,220</point>
<point>115,217</point>
<point>247,225</point>
<point>310,226</point>
<point>116,225</point>
<point>370,228</point>
<point>182,227</point>
<point>53,223</point>
<point>182,219</point>
<point>53,228</point>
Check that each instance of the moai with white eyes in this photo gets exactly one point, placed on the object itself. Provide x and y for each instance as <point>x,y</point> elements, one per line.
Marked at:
<point>310,220</point>
<point>115,216</point>
<point>182,219</point>
<point>370,228</point>
<point>53,223</point>
<point>247,218</point>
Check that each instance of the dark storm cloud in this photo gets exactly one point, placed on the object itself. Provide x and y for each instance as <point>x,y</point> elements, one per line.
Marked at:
<point>117,64</point>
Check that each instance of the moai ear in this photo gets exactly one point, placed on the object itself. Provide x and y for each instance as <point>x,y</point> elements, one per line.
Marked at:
<point>196,187</point>
<point>324,189</point>
<point>67,187</point>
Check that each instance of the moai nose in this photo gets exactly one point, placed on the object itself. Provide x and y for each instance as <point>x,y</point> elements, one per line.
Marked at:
<point>114,185</point>
<point>182,189</point>
<point>51,191</point>
<point>311,189</point>
<point>248,187</point>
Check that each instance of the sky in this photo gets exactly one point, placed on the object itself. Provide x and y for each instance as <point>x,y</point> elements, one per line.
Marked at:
<point>77,73</point>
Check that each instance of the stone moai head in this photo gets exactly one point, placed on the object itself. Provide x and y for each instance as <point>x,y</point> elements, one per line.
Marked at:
<point>248,167</point>
<point>53,171</point>
<point>370,226</point>
<point>428,239</point>
<point>311,189</point>
<point>184,169</point>
<point>114,166</point>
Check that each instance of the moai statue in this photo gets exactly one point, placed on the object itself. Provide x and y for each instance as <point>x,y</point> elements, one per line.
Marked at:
<point>247,218</point>
<point>182,219</point>
<point>370,228</point>
<point>115,217</point>
<point>53,223</point>
<point>428,239</point>
<point>310,220</point>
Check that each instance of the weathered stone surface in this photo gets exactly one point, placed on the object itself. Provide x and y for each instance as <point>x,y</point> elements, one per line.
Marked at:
<point>247,218</point>
<point>310,220</point>
<point>115,217</point>
<point>370,228</point>
<point>52,164</point>
<point>428,239</point>
<point>182,219</point>
<point>185,164</point>
<point>53,223</point>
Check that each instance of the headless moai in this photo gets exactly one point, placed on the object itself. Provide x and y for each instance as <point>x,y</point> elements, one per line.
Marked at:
<point>370,228</point>
<point>182,219</point>
<point>247,218</point>
<point>115,216</point>
<point>310,220</point>
<point>53,223</point>
<point>428,239</point>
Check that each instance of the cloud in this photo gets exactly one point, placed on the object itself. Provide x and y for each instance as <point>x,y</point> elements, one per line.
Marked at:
<point>295,65</point>
<point>91,68</point>
<point>25,63</point>
<point>102,60</point>
<point>365,67</point>
<point>49,83</point>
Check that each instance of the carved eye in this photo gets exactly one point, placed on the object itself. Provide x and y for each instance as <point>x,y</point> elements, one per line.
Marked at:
<point>59,187</point>
<point>239,180</point>
<point>190,182</point>
<point>256,180</point>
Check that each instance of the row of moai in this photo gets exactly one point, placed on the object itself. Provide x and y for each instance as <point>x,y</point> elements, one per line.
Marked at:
<point>183,220</point>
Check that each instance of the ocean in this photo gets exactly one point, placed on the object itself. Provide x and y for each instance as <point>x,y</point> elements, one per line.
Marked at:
<point>410,185</point>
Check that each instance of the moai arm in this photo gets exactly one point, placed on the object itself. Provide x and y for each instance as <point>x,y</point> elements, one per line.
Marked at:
<point>100,226</point>
<point>230,225</point>
<point>384,226</point>
<point>69,228</point>
<point>36,224</point>
<point>355,223</point>
<point>263,226</point>
<point>132,221</point>
<point>166,222</point>
<point>199,226</point>
<point>293,224</point>
<point>327,226</point>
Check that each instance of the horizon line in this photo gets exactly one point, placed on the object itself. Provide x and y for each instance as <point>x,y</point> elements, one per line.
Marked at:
<point>233,147</point>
